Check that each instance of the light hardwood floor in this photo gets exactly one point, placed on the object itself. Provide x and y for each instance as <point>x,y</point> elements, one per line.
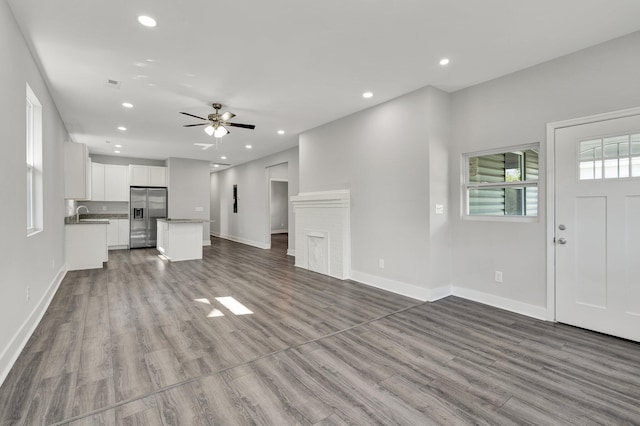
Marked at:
<point>133,343</point>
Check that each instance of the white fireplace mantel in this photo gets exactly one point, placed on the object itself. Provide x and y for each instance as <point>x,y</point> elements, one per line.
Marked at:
<point>323,234</point>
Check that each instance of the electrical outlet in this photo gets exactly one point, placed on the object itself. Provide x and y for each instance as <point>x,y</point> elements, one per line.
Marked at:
<point>104,208</point>
<point>28,293</point>
<point>381,263</point>
<point>199,209</point>
<point>439,208</point>
<point>498,276</point>
<point>53,264</point>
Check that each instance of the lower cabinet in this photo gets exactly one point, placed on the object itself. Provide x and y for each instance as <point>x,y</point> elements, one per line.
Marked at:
<point>118,234</point>
<point>85,246</point>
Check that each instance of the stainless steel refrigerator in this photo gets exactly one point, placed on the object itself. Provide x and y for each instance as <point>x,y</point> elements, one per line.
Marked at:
<point>146,205</point>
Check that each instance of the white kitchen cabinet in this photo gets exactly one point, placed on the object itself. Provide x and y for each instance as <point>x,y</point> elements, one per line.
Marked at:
<point>97,182</point>
<point>115,183</point>
<point>85,246</point>
<point>147,175</point>
<point>118,233</point>
<point>157,176</point>
<point>109,182</point>
<point>77,172</point>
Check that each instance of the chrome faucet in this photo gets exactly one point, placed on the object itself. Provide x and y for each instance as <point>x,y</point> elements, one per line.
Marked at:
<point>78,212</point>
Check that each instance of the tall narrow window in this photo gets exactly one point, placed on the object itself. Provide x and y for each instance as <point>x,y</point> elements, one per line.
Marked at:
<point>34,163</point>
<point>503,183</point>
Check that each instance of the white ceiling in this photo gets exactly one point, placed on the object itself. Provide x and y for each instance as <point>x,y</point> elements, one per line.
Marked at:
<point>281,64</point>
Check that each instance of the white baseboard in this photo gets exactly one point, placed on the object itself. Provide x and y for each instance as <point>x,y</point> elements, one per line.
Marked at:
<point>538,312</point>
<point>398,287</point>
<point>206,242</point>
<point>291,252</point>
<point>242,241</point>
<point>10,353</point>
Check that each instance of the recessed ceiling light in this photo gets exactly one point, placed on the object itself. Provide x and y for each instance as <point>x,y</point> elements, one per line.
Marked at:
<point>444,61</point>
<point>147,21</point>
<point>223,157</point>
<point>248,146</point>
<point>281,132</point>
<point>367,95</point>
<point>118,146</point>
<point>116,151</point>
<point>122,128</point>
<point>216,165</point>
<point>127,104</point>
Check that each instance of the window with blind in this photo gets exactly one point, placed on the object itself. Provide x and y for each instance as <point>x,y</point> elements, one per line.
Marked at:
<point>503,183</point>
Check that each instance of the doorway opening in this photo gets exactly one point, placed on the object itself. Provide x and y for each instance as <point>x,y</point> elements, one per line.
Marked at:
<point>279,213</point>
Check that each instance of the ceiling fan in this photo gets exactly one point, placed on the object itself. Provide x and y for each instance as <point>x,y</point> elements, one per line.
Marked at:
<point>216,122</point>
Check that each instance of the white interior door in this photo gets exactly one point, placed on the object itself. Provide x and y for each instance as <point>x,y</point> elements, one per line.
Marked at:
<point>597,226</point>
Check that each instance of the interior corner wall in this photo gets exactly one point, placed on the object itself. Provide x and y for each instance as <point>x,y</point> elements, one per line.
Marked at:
<point>36,262</point>
<point>514,110</point>
<point>382,156</point>
<point>188,191</point>
<point>250,224</point>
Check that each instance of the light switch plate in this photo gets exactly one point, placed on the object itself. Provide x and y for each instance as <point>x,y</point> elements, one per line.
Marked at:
<point>439,208</point>
<point>199,209</point>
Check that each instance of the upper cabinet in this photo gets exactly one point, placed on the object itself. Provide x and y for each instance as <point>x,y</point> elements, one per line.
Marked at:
<point>115,183</point>
<point>97,182</point>
<point>77,171</point>
<point>109,182</point>
<point>147,175</point>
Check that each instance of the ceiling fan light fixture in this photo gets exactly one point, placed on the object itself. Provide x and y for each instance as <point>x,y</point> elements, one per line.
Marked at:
<point>209,130</point>
<point>220,131</point>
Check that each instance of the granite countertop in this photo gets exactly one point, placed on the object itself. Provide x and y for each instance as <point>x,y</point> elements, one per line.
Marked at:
<point>94,218</point>
<point>169,220</point>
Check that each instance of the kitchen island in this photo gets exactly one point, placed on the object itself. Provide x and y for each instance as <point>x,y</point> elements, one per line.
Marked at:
<point>180,239</point>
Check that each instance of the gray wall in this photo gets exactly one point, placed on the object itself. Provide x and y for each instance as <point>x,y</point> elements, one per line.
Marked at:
<point>35,262</point>
<point>392,157</point>
<point>188,191</point>
<point>514,110</point>
<point>279,206</point>
<point>251,224</point>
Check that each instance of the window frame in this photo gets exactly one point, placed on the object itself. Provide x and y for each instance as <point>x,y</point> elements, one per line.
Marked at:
<point>33,160</point>
<point>466,186</point>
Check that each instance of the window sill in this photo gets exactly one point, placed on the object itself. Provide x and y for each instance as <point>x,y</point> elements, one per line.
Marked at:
<point>510,219</point>
<point>32,232</point>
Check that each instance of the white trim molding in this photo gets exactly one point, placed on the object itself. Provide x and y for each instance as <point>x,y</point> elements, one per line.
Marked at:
<point>551,205</point>
<point>242,241</point>
<point>539,312</point>
<point>405,289</point>
<point>19,340</point>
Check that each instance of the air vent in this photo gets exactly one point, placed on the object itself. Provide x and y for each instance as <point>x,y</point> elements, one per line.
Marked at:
<point>114,84</point>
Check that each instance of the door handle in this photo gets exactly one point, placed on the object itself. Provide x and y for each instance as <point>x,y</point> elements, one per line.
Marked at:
<point>562,241</point>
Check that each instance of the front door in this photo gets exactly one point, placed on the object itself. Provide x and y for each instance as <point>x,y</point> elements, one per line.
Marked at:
<point>597,226</point>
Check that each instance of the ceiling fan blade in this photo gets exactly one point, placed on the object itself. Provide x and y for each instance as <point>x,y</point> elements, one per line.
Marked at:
<point>199,124</point>
<point>227,116</point>
<point>191,115</point>
<point>244,126</point>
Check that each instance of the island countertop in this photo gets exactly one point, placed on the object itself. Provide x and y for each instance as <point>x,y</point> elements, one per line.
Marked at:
<point>170,220</point>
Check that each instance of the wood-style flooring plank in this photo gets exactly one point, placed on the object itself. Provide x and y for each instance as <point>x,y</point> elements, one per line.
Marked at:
<point>134,344</point>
